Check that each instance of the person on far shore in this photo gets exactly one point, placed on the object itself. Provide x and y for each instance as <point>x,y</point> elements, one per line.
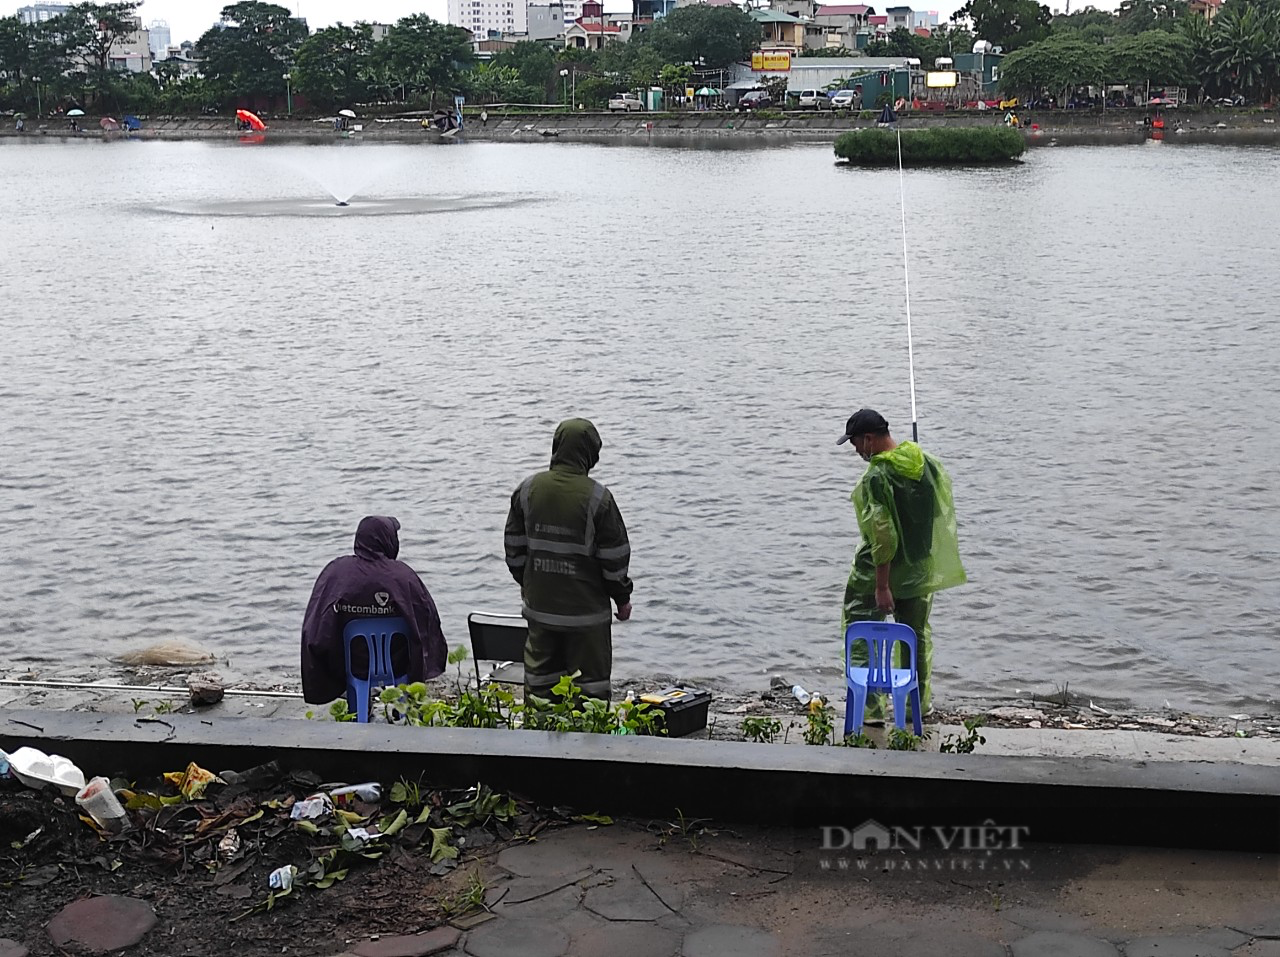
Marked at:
<point>567,548</point>
<point>908,551</point>
<point>484,118</point>
<point>368,584</point>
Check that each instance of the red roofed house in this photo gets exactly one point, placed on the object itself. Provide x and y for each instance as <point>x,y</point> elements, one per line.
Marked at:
<point>879,25</point>
<point>849,17</point>
<point>592,30</point>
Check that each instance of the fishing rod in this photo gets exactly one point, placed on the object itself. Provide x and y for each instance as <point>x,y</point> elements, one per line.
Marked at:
<point>906,282</point>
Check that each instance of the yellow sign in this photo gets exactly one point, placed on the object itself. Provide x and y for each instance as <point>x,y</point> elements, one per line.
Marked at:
<point>935,79</point>
<point>777,61</point>
<point>688,92</point>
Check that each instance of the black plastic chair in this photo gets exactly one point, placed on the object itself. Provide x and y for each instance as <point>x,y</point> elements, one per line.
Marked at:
<point>498,638</point>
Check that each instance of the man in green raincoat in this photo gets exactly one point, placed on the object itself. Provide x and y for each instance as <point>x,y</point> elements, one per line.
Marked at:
<point>908,550</point>
<point>567,547</point>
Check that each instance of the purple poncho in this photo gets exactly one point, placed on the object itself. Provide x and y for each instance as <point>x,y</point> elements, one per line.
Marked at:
<point>368,584</point>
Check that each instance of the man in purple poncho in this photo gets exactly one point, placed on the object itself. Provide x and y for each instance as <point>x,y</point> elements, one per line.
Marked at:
<point>368,584</point>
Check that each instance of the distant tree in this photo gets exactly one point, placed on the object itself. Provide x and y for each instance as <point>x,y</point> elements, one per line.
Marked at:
<point>833,52</point>
<point>1138,16</point>
<point>1056,65</point>
<point>90,30</point>
<point>429,56</point>
<point>1006,23</point>
<point>1154,56</point>
<point>491,83</point>
<point>706,36</point>
<point>1095,25</point>
<point>1243,50</point>
<point>534,62</point>
<point>15,49</point>
<point>251,49</point>
<point>332,65</point>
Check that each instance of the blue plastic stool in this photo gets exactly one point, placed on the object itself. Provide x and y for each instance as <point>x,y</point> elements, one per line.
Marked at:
<point>880,675</point>
<point>377,634</point>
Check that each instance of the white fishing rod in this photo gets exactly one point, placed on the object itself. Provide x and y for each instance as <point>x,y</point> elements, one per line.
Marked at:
<point>906,283</point>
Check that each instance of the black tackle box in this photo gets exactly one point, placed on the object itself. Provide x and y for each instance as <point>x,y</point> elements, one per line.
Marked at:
<point>685,709</point>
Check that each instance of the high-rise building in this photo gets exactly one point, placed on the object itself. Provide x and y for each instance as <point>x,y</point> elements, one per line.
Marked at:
<point>40,12</point>
<point>160,39</point>
<point>483,16</point>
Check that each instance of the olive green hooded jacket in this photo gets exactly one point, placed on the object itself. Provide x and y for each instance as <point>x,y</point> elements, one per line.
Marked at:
<point>566,543</point>
<point>908,521</point>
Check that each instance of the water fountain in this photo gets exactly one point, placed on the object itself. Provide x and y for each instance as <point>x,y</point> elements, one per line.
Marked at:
<point>343,175</point>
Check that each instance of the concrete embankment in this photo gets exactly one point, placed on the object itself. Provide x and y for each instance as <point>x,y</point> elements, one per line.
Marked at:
<point>1089,800</point>
<point>1058,127</point>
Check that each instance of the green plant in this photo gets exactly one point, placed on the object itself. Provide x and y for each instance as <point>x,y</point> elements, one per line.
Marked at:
<point>931,147</point>
<point>767,114</point>
<point>340,712</point>
<point>900,739</point>
<point>470,898</point>
<point>688,828</point>
<point>138,704</point>
<point>485,805</point>
<point>760,730</point>
<point>165,707</point>
<point>408,793</point>
<point>821,722</point>
<point>966,743</point>
<point>859,740</point>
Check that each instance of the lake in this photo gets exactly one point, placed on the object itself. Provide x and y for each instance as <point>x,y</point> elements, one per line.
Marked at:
<point>211,374</point>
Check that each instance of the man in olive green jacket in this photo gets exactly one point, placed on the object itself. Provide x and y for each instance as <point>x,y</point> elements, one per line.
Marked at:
<point>567,548</point>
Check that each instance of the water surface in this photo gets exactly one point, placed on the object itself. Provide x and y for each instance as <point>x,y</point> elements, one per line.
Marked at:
<point>197,409</point>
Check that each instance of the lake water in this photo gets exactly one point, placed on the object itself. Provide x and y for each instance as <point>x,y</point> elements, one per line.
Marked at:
<point>211,374</point>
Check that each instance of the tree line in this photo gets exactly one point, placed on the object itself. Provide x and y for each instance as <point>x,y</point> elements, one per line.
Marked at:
<point>1159,43</point>
<point>259,49</point>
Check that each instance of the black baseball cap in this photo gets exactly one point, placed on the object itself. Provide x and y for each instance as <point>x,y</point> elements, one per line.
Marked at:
<point>862,422</point>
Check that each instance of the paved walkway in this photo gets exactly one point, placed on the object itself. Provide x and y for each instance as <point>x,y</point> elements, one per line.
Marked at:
<point>668,892</point>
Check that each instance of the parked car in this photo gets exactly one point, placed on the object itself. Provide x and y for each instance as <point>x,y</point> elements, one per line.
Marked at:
<point>755,100</point>
<point>842,100</point>
<point>625,103</point>
<point>813,100</point>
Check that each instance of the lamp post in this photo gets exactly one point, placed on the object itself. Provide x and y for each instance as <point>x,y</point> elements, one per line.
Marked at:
<point>288,87</point>
<point>39,111</point>
<point>564,75</point>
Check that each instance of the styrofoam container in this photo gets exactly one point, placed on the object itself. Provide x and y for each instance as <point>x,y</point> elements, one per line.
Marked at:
<point>35,769</point>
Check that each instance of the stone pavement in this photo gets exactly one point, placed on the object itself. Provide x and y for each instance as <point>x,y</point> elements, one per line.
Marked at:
<point>681,890</point>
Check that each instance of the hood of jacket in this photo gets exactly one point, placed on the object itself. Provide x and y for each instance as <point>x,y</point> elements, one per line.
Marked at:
<point>906,458</point>
<point>376,537</point>
<point>576,446</point>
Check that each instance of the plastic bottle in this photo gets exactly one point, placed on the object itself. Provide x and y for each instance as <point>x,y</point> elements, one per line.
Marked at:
<point>4,766</point>
<point>805,697</point>
<point>370,791</point>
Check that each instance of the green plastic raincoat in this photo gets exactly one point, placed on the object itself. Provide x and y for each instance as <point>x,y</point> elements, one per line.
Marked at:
<point>907,519</point>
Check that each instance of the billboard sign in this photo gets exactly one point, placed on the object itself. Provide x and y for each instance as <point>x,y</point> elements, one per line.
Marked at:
<point>776,61</point>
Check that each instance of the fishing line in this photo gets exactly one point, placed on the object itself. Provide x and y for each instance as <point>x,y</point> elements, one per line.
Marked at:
<point>906,282</point>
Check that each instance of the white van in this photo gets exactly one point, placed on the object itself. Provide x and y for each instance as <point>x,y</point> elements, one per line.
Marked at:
<point>813,100</point>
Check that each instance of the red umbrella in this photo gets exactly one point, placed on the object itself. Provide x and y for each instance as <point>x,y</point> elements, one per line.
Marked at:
<point>107,123</point>
<point>252,119</point>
